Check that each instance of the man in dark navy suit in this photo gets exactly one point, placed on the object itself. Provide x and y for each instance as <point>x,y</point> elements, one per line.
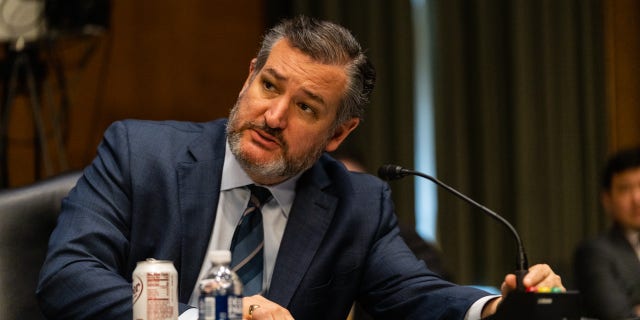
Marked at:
<point>175,190</point>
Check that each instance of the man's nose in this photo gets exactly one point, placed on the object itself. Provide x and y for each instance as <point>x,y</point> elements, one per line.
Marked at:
<point>277,113</point>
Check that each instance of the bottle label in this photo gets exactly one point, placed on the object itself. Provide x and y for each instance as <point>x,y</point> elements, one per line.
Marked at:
<point>207,308</point>
<point>235,307</point>
<point>220,307</point>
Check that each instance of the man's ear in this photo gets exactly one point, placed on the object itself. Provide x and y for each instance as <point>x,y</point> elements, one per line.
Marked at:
<point>252,65</point>
<point>341,133</point>
<point>252,68</point>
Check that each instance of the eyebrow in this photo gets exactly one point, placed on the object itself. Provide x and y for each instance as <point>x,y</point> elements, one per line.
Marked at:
<point>307,92</point>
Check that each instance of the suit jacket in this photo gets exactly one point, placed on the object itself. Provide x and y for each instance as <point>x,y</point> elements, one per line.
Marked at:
<point>152,191</point>
<point>607,273</point>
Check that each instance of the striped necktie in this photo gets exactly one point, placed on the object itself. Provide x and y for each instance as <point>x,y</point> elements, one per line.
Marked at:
<point>247,245</point>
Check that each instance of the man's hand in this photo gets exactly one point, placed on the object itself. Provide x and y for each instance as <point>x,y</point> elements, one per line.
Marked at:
<point>262,308</point>
<point>539,276</point>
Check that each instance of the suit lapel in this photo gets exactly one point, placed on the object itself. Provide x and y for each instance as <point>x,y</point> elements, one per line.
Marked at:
<point>199,190</point>
<point>308,222</point>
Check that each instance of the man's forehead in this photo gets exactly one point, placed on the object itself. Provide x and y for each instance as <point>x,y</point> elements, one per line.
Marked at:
<point>286,62</point>
<point>280,77</point>
<point>631,174</point>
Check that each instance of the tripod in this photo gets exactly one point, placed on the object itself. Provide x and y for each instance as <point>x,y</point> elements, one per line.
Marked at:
<point>20,72</point>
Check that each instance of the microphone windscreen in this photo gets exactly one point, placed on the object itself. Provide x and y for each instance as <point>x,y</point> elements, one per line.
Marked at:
<point>390,172</point>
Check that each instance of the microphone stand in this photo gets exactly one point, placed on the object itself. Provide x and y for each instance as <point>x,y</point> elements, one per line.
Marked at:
<point>519,304</point>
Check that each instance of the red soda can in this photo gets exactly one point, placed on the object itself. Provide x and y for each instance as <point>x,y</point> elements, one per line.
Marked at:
<point>155,290</point>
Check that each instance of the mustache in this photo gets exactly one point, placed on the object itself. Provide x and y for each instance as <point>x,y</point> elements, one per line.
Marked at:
<point>276,133</point>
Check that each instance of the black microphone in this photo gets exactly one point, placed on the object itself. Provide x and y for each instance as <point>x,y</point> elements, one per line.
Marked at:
<point>393,172</point>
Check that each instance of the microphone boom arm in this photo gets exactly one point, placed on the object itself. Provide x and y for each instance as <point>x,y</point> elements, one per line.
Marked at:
<point>389,172</point>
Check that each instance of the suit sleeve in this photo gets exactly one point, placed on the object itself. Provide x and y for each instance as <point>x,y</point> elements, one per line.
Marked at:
<point>82,276</point>
<point>87,271</point>
<point>398,285</point>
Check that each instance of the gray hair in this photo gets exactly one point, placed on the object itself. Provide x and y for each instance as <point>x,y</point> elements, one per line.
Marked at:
<point>327,43</point>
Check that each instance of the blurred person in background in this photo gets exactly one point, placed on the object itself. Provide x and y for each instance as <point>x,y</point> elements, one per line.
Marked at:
<point>607,268</point>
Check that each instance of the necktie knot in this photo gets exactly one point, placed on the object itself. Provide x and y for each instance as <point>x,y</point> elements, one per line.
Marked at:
<point>259,195</point>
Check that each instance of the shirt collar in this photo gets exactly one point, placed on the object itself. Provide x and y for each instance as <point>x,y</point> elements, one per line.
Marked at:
<point>233,176</point>
<point>633,237</point>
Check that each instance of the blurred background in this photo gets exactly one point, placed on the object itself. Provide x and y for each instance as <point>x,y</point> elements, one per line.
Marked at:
<point>514,103</point>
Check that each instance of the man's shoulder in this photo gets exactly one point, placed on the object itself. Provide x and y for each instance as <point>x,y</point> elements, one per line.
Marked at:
<point>603,244</point>
<point>340,176</point>
<point>159,126</point>
<point>166,139</point>
<point>166,131</point>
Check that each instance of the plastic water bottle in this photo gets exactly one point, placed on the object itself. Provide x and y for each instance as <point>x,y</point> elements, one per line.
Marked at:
<point>220,290</point>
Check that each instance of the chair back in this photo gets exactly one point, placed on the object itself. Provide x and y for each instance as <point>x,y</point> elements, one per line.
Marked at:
<point>27,216</point>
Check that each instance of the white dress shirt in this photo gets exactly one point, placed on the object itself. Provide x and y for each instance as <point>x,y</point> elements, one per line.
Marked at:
<point>633,237</point>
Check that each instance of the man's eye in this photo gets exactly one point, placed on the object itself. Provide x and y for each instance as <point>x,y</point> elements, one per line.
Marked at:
<point>268,85</point>
<point>306,108</point>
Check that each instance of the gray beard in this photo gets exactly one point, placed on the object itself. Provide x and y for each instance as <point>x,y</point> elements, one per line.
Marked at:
<point>281,168</point>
